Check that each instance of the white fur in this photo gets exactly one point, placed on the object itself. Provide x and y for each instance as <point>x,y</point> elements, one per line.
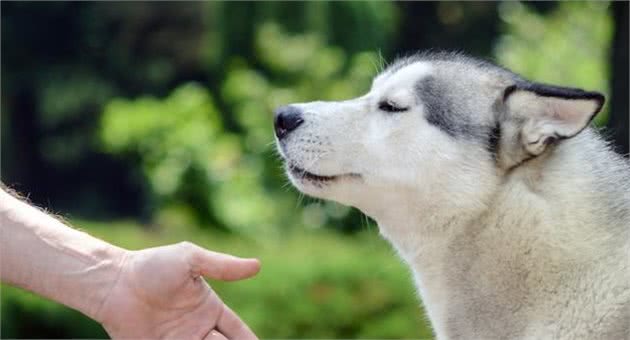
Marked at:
<point>541,251</point>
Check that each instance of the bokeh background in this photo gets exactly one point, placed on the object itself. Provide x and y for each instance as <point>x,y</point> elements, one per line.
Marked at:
<point>150,123</point>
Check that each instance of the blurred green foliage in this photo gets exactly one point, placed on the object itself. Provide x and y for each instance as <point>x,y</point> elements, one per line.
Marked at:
<point>232,179</point>
<point>569,46</point>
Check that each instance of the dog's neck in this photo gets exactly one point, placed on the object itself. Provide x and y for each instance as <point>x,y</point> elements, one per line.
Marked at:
<point>427,240</point>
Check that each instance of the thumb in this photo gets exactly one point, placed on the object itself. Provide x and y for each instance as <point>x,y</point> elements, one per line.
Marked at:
<point>221,266</point>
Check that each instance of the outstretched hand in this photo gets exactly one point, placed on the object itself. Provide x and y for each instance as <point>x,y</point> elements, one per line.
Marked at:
<point>160,293</point>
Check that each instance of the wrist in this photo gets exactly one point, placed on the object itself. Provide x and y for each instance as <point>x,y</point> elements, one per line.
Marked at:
<point>98,285</point>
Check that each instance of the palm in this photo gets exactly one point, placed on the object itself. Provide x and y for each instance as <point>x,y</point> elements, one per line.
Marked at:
<point>160,294</point>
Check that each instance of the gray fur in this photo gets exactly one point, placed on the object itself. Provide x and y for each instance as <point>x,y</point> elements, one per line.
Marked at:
<point>441,110</point>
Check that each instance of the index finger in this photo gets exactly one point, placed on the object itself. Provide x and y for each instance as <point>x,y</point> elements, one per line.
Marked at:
<point>233,327</point>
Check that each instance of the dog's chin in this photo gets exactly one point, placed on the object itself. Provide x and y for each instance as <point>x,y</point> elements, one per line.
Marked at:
<point>312,183</point>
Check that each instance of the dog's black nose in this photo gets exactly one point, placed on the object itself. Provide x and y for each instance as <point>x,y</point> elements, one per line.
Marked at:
<point>287,119</point>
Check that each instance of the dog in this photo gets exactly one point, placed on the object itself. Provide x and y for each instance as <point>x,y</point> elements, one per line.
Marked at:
<point>513,214</point>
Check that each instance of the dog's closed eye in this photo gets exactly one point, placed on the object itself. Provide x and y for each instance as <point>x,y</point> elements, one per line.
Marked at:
<point>389,106</point>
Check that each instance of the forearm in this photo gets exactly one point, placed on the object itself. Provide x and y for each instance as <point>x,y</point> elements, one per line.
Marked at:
<point>41,254</point>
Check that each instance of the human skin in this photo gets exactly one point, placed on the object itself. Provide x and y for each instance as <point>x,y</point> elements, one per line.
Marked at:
<point>150,293</point>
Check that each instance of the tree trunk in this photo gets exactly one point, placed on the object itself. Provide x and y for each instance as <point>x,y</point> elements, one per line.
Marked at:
<point>619,111</point>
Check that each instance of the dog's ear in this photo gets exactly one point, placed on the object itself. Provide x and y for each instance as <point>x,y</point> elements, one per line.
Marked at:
<point>548,113</point>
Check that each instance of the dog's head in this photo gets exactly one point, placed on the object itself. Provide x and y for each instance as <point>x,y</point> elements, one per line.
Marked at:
<point>433,128</point>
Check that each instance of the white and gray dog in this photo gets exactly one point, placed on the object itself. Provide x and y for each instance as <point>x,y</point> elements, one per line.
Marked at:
<point>513,215</point>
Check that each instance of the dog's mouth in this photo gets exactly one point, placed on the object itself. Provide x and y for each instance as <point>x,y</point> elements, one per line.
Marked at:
<point>302,174</point>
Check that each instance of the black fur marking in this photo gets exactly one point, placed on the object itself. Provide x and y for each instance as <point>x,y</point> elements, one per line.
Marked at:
<point>550,140</point>
<point>508,91</point>
<point>494,139</point>
<point>545,90</point>
<point>440,110</point>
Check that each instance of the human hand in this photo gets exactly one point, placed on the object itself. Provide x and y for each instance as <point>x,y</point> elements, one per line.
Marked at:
<point>160,293</point>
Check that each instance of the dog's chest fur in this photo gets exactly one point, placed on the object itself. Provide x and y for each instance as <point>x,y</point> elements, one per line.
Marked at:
<point>548,258</point>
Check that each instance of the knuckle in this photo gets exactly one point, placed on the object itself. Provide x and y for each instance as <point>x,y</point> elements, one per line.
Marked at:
<point>189,252</point>
<point>186,246</point>
<point>222,271</point>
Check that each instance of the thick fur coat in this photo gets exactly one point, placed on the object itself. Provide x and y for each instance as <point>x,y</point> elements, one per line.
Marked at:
<point>512,213</point>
